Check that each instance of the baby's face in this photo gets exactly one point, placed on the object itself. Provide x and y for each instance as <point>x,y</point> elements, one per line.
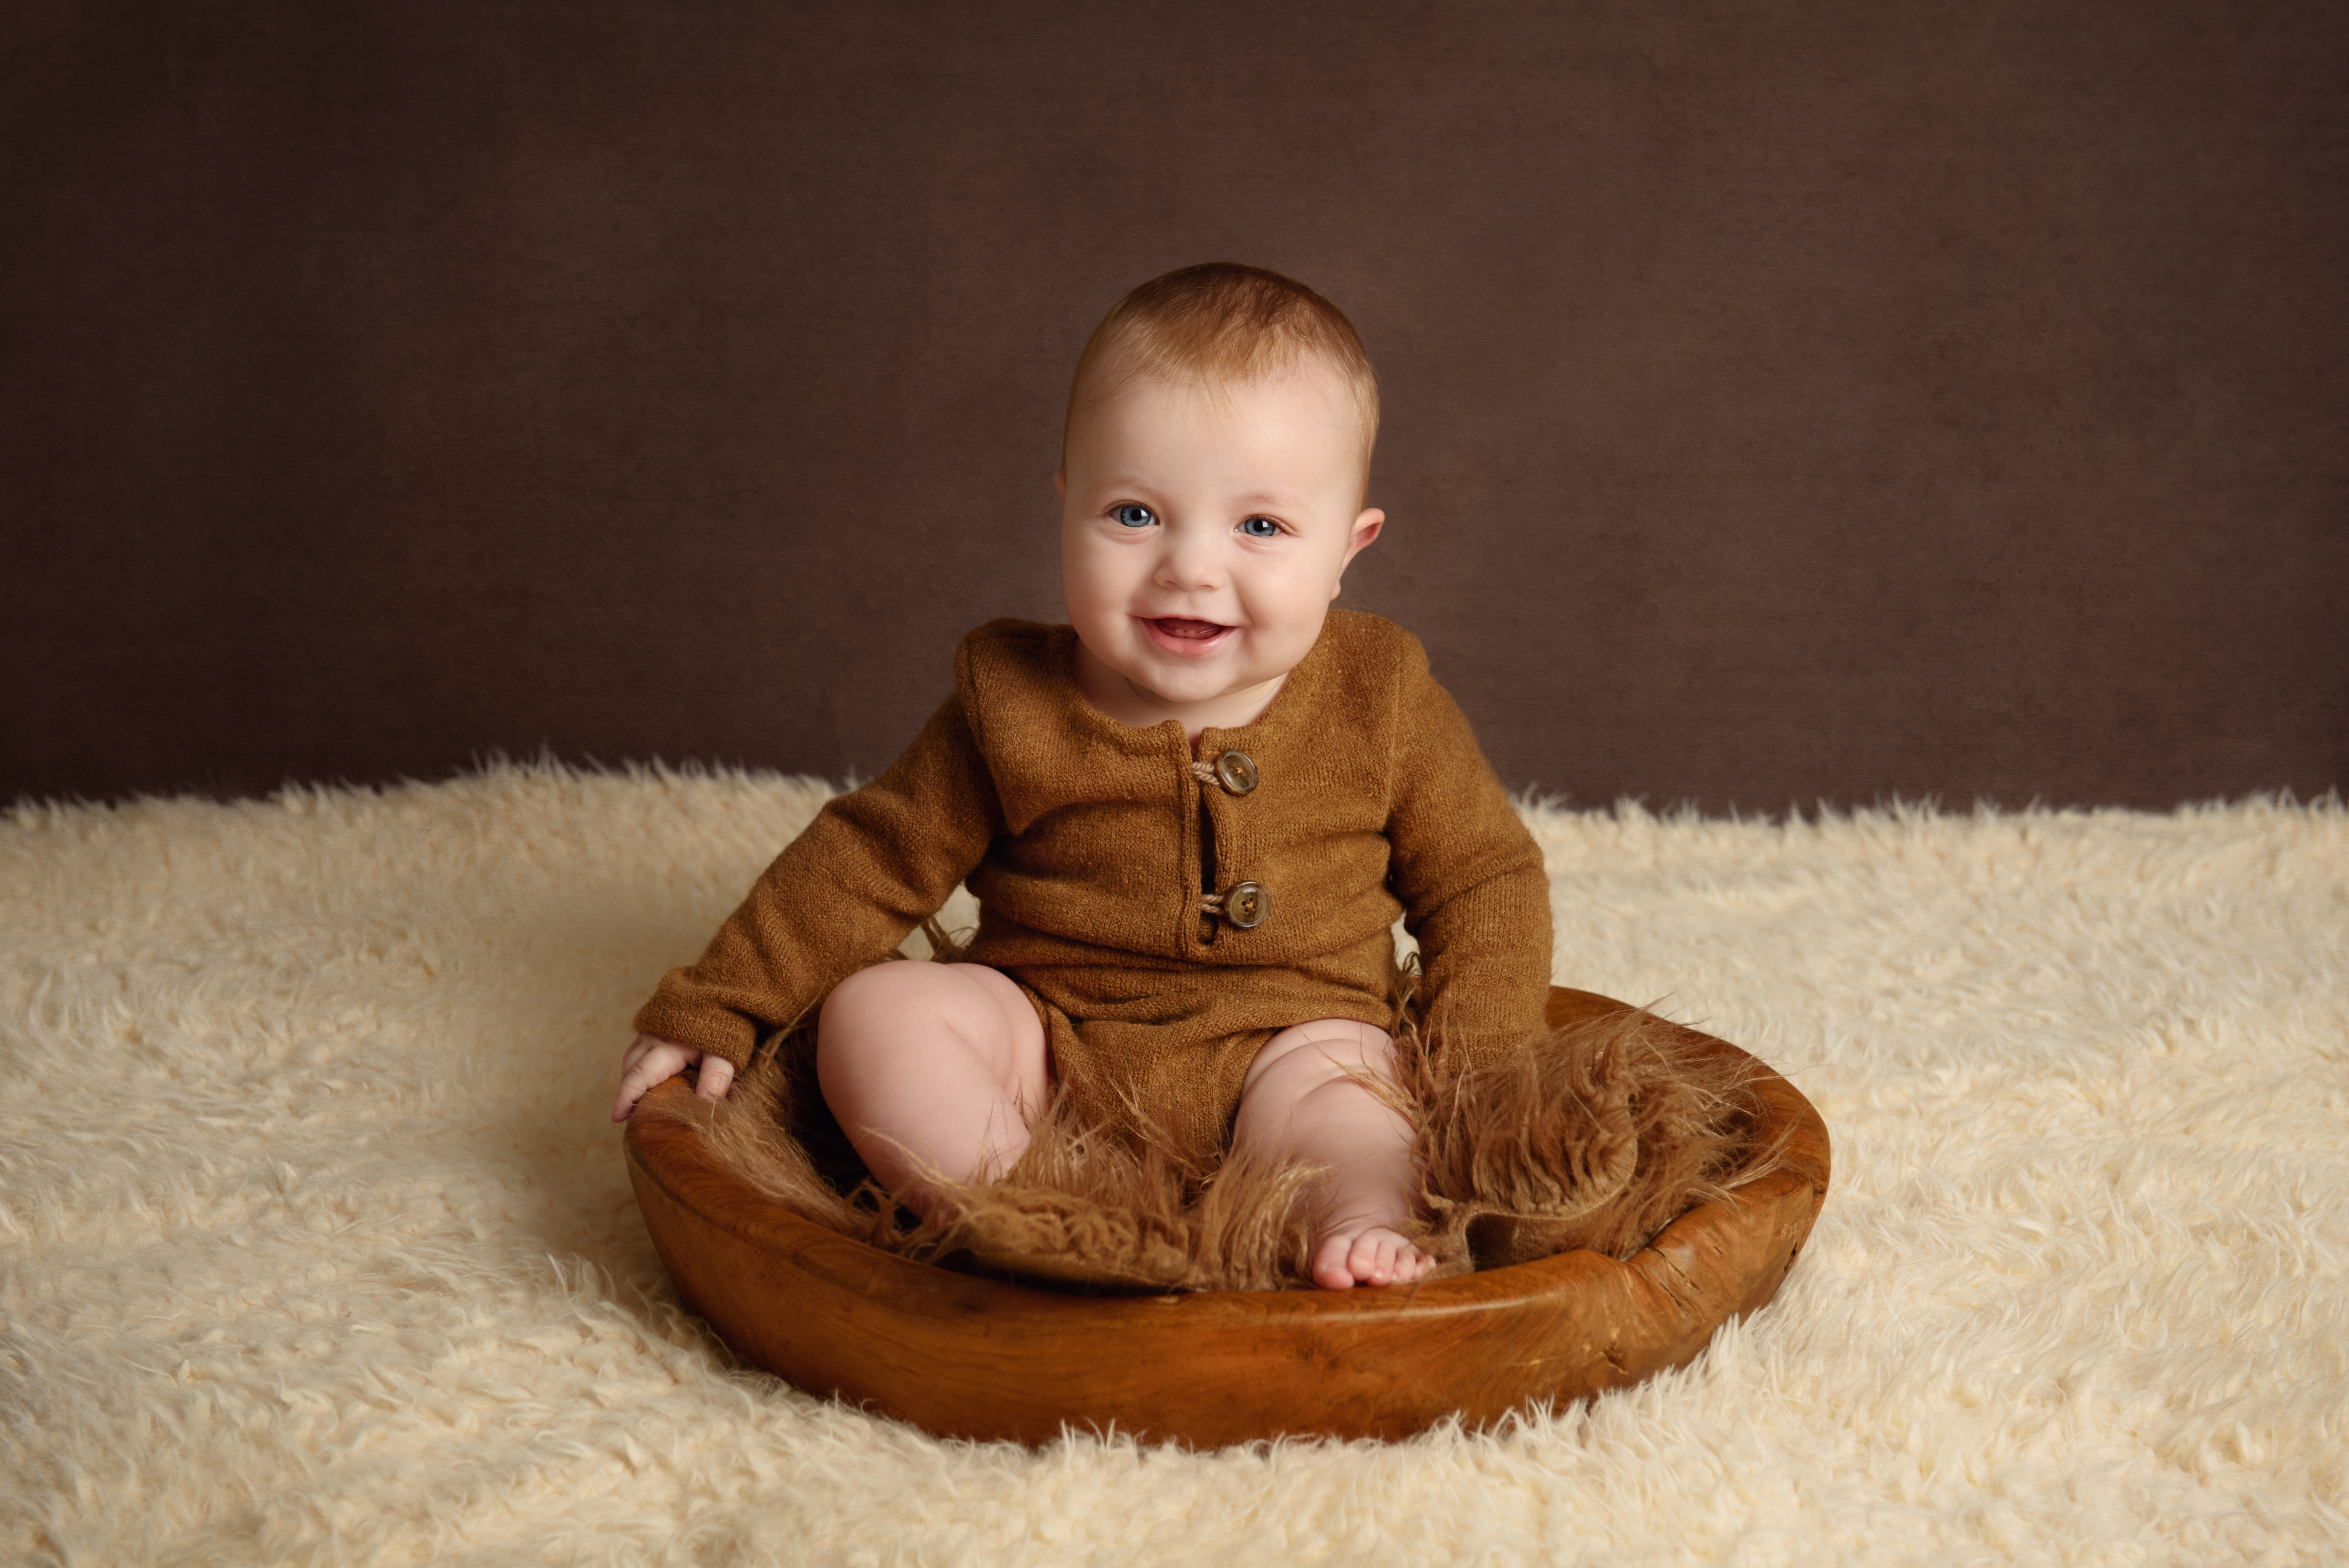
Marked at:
<point>1203,533</point>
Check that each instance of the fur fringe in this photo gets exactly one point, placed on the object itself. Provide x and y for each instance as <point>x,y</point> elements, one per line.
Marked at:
<point>1597,1135</point>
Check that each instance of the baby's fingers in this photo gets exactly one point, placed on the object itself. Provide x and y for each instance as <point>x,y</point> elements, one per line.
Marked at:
<point>716,1073</point>
<point>663,1060</point>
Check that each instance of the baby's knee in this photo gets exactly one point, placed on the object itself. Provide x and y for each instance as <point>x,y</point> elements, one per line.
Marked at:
<point>880,991</point>
<point>1303,1059</point>
<point>1329,1093</point>
<point>869,1007</point>
<point>882,1019</point>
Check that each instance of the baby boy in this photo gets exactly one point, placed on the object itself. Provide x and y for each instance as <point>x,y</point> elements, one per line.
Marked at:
<point>1190,816</point>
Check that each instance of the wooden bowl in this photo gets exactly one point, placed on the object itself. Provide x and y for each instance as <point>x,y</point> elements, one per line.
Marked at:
<point>964,1356</point>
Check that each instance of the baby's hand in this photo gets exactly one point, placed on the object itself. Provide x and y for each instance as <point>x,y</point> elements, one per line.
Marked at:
<point>650,1061</point>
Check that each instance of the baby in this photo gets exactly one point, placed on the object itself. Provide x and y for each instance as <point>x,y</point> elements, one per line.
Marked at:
<point>1190,816</point>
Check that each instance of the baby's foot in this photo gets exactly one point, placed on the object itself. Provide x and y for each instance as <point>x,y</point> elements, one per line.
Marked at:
<point>1346,1256</point>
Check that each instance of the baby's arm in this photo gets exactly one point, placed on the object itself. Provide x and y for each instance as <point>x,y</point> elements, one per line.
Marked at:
<point>651,1061</point>
<point>844,893</point>
<point>1471,878</point>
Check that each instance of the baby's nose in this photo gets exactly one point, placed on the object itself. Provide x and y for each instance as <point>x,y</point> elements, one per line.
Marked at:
<point>1189,562</point>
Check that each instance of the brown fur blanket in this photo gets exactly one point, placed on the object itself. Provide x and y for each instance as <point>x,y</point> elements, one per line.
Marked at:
<point>1596,1136</point>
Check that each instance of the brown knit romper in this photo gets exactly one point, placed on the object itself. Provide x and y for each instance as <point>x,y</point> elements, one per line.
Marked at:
<point>1167,913</point>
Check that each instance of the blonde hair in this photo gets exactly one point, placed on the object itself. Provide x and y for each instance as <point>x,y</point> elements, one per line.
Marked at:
<point>1220,324</point>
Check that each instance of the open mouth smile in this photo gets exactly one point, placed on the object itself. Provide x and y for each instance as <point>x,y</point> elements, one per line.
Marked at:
<point>1182,635</point>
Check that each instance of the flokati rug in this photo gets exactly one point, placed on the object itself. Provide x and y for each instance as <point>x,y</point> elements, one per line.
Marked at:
<point>316,1245</point>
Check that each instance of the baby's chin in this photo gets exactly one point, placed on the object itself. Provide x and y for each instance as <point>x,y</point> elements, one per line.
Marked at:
<point>1191,684</point>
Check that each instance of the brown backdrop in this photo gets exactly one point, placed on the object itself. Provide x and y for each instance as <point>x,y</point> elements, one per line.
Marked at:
<point>1823,399</point>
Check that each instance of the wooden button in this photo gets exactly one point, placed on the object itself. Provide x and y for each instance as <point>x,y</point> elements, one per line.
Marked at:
<point>1247,904</point>
<point>1235,772</point>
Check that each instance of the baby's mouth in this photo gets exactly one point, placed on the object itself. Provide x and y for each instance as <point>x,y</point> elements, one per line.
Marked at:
<point>1184,636</point>
<point>1188,629</point>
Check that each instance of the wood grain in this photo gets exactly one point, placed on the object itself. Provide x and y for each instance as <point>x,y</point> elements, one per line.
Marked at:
<point>970,1357</point>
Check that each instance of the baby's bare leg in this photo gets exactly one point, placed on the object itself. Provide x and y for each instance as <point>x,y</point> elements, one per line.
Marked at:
<point>932,1067</point>
<point>1300,1102</point>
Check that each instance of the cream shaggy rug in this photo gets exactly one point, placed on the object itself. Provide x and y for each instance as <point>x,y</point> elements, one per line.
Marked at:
<point>317,1246</point>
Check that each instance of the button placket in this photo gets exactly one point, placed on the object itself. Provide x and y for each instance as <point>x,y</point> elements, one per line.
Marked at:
<point>1245,904</point>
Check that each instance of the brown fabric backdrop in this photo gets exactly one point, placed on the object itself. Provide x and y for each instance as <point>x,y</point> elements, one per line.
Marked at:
<point>1786,402</point>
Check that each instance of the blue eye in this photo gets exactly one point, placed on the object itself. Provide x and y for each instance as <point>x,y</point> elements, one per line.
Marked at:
<point>1260,528</point>
<point>1134,516</point>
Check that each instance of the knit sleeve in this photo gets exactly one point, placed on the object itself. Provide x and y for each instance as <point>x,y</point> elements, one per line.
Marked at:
<point>872,865</point>
<point>1470,877</point>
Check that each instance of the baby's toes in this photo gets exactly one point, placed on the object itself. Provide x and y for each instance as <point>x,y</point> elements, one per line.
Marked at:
<point>1333,1263</point>
<point>1398,1261</point>
<point>1382,1256</point>
<point>1373,1257</point>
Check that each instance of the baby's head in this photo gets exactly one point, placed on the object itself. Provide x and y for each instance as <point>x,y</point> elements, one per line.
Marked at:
<point>1213,472</point>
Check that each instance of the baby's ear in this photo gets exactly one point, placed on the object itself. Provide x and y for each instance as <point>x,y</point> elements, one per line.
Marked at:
<point>1366,528</point>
